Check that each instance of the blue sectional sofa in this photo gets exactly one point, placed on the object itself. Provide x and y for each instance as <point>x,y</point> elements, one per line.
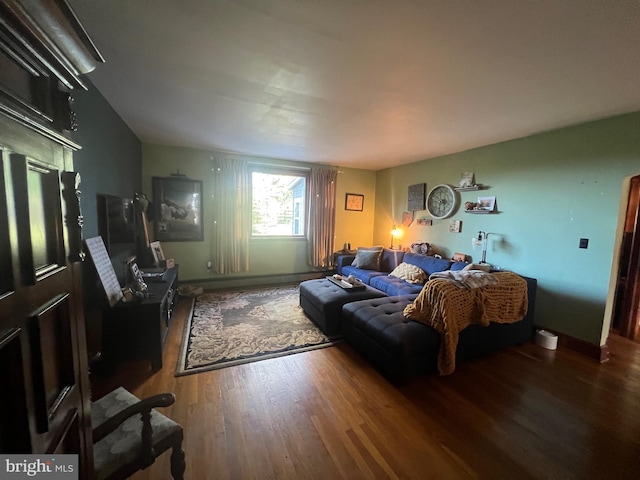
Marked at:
<point>401,348</point>
<point>389,260</point>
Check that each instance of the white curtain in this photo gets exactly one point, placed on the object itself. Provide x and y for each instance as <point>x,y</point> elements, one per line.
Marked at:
<point>232,216</point>
<point>321,217</point>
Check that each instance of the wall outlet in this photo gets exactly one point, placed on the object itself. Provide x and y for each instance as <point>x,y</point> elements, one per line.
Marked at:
<point>584,243</point>
<point>209,265</point>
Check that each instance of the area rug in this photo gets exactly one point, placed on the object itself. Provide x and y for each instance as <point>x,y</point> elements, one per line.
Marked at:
<point>232,328</point>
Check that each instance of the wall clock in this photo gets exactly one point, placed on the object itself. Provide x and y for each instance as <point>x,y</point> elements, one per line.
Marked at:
<point>442,201</point>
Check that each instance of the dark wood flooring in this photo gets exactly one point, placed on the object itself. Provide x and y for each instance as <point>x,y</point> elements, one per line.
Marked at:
<point>327,414</point>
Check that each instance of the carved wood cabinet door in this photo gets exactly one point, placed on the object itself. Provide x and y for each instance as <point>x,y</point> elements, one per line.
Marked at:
<point>43,361</point>
<point>44,384</point>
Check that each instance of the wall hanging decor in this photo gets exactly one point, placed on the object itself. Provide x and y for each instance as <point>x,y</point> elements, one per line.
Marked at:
<point>442,201</point>
<point>459,257</point>
<point>354,202</point>
<point>416,196</point>
<point>468,183</point>
<point>407,218</point>
<point>487,203</point>
<point>178,209</point>
<point>483,205</point>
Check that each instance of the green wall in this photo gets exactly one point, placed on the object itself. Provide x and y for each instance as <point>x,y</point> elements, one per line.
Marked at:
<point>110,160</point>
<point>551,190</point>
<point>267,256</point>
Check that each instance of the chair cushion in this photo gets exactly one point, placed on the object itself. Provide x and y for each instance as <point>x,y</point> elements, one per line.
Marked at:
<point>390,259</point>
<point>364,275</point>
<point>122,446</point>
<point>393,286</point>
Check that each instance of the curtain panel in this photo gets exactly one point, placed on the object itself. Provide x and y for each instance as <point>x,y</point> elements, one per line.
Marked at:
<point>321,217</point>
<point>231,228</point>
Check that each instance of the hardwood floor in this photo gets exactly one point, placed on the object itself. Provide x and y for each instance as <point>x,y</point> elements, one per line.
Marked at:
<point>326,414</point>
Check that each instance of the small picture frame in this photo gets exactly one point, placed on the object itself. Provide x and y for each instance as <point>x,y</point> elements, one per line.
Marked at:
<point>354,202</point>
<point>459,257</point>
<point>467,179</point>
<point>137,281</point>
<point>158,254</point>
<point>487,203</point>
<point>455,226</point>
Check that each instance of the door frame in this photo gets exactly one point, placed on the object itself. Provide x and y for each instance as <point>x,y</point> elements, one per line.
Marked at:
<point>631,303</point>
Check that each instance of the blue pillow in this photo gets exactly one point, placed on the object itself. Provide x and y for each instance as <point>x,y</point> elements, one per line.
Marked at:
<point>455,266</point>
<point>428,264</point>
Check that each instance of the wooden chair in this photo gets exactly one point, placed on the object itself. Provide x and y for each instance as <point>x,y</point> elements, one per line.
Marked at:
<point>128,434</point>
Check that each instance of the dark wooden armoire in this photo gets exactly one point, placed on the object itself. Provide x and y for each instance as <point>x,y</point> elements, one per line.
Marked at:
<point>44,384</point>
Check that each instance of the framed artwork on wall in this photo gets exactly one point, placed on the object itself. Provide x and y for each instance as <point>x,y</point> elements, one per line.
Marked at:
<point>177,203</point>
<point>459,257</point>
<point>416,197</point>
<point>487,203</point>
<point>354,201</point>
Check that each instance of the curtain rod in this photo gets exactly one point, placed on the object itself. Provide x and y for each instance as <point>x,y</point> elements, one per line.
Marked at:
<point>280,165</point>
<point>293,167</point>
<point>284,165</point>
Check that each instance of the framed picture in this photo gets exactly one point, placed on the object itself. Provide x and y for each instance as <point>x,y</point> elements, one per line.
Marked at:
<point>416,197</point>
<point>467,180</point>
<point>487,203</point>
<point>455,226</point>
<point>158,254</point>
<point>177,203</point>
<point>135,275</point>
<point>459,257</point>
<point>354,201</point>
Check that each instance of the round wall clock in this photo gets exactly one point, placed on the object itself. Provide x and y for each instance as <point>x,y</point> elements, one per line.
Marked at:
<point>442,201</point>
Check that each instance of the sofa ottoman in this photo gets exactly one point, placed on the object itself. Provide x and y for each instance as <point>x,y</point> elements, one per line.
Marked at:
<point>398,347</point>
<point>401,348</point>
<point>322,300</point>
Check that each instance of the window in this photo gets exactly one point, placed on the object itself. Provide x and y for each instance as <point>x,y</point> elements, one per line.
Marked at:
<point>278,202</point>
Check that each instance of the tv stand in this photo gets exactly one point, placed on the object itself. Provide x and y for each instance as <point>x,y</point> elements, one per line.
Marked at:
<point>137,330</point>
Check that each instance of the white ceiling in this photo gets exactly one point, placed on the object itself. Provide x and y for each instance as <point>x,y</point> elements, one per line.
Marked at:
<point>361,83</point>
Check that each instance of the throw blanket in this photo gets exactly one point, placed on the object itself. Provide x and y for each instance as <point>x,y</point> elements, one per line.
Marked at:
<point>467,278</point>
<point>448,309</point>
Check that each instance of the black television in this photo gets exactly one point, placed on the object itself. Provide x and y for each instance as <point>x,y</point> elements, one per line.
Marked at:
<point>117,227</point>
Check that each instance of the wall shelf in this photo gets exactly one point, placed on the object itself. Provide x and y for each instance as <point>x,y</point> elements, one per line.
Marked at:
<point>477,212</point>
<point>472,188</point>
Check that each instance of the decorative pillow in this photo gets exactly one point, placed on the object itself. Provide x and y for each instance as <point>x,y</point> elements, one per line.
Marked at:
<point>409,273</point>
<point>485,267</point>
<point>366,249</point>
<point>369,259</point>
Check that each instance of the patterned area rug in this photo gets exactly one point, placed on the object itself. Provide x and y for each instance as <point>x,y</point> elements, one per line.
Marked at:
<point>231,328</point>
